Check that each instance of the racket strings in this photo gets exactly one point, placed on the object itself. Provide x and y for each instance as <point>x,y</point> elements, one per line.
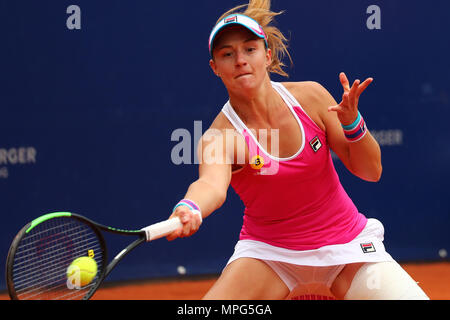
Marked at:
<point>45,253</point>
<point>26,247</point>
<point>50,271</point>
<point>57,253</point>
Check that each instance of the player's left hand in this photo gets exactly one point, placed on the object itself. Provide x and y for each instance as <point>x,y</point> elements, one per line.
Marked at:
<point>347,110</point>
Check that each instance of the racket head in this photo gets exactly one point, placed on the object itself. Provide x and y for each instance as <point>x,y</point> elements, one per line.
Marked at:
<point>41,252</point>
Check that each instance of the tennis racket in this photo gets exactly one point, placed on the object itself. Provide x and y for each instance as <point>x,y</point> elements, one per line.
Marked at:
<point>42,251</point>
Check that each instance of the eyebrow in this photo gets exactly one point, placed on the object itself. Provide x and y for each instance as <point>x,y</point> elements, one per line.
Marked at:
<point>229,46</point>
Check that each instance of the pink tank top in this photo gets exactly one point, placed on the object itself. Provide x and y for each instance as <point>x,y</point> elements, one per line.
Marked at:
<point>297,202</point>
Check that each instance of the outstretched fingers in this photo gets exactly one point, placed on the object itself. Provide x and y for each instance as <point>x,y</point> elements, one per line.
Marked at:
<point>353,94</point>
<point>363,86</point>
<point>347,109</point>
<point>344,82</point>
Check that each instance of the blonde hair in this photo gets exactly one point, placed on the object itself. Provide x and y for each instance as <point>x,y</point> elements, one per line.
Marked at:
<point>259,10</point>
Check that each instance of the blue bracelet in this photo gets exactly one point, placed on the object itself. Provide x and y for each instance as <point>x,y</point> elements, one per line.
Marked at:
<point>354,124</point>
<point>188,203</point>
<point>356,132</point>
<point>191,205</point>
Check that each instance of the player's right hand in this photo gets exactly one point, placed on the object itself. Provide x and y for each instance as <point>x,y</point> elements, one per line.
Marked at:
<point>191,223</point>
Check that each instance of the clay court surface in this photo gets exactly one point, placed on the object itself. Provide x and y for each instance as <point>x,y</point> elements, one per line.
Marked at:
<point>434,278</point>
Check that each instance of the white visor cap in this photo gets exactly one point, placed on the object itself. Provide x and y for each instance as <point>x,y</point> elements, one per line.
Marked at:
<point>238,19</point>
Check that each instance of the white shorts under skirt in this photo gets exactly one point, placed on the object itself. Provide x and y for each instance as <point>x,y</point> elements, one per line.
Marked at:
<point>290,264</point>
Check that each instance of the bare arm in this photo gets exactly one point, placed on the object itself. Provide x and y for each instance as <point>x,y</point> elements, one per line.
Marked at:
<point>209,191</point>
<point>362,158</point>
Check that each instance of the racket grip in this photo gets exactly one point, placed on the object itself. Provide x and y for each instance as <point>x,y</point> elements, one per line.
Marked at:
<point>163,228</point>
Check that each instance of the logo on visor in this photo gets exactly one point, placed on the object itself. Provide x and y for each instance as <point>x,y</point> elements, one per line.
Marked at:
<point>232,19</point>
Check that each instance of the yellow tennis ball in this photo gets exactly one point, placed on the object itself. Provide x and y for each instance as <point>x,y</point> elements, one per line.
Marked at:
<point>81,271</point>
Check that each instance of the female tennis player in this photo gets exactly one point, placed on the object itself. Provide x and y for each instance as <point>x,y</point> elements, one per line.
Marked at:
<point>300,228</point>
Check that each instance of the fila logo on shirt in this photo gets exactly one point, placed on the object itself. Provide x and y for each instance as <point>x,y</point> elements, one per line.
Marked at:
<point>368,247</point>
<point>315,144</point>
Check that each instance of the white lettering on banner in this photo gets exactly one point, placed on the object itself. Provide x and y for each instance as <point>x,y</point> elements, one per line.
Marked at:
<point>385,138</point>
<point>4,173</point>
<point>16,156</point>
<point>392,137</point>
<point>21,155</point>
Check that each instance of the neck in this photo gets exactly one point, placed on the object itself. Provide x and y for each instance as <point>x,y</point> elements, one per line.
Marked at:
<point>255,106</point>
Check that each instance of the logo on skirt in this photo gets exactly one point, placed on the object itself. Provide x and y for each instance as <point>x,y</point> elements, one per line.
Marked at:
<point>368,247</point>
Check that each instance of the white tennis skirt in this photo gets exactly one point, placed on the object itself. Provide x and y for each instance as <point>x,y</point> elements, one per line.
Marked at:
<point>310,273</point>
<point>366,247</point>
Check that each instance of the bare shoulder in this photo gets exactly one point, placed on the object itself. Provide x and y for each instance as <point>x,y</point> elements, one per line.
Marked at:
<point>309,93</point>
<point>313,98</point>
<point>225,137</point>
<point>221,122</point>
<point>216,133</point>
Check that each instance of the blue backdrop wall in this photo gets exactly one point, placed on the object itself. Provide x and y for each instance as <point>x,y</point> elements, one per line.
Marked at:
<point>88,108</point>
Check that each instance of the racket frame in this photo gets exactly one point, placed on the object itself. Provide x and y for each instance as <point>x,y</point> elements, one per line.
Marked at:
<point>96,228</point>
